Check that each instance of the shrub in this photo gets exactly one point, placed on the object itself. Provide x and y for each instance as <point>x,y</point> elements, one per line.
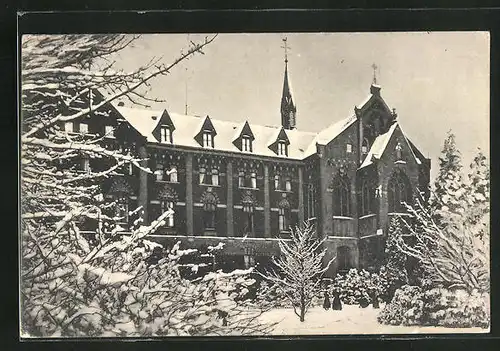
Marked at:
<point>405,307</point>
<point>358,286</point>
<point>413,305</point>
<point>270,296</point>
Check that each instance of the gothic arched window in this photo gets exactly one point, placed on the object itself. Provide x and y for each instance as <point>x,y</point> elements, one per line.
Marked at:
<point>398,191</point>
<point>167,205</point>
<point>367,198</point>
<point>209,210</point>
<point>343,258</point>
<point>342,196</point>
<point>311,201</point>
<point>248,210</point>
<point>283,215</point>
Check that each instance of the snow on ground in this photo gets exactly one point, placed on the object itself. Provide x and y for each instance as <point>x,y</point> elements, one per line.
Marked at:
<point>351,320</point>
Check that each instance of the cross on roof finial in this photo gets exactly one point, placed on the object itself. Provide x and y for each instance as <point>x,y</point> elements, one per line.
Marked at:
<point>375,67</point>
<point>286,47</point>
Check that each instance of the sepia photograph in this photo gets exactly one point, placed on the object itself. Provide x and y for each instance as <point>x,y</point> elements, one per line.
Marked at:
<point>254,184</point>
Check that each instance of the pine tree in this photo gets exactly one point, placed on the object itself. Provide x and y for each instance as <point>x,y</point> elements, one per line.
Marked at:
<point>449,188</point>
<point>479,188</point>
<point>395,271</point>
<point>451,241</point>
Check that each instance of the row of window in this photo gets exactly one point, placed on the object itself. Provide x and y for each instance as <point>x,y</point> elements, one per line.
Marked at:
<point>69,127</point>
<point>398,193</point>
<point>169,175</point>
<point>166,137</point>
<point>209,216</point>
<point>211,177</point>
<point>365,146</point>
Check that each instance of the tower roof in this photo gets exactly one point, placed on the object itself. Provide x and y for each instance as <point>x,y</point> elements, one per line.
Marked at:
<point>288,107</point>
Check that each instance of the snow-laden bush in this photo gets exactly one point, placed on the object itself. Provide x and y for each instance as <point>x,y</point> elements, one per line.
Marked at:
<point>449,235</point>
<point>359,286</point>
<point>116,290</point>
<point>413,305</point>
<point>270,296</point>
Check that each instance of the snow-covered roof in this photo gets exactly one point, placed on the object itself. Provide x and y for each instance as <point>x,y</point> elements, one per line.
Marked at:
<point>328,134</point>
<point>301,144</point>
<point>380,144</point>
<point>187,127</point>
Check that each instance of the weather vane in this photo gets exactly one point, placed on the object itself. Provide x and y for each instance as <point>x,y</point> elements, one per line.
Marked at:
<point>375,67</point>
<point>286,47</point>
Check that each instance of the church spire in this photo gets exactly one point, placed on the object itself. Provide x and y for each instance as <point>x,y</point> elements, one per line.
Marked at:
<point>288,108</point>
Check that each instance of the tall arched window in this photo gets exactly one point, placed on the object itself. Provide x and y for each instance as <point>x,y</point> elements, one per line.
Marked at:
<point>209,210</point>
<point>367,198</point>
<point>343,258</point>
<point>311,201</point>
<point>167,205</point>
<point>398,191</point>
<point>283,215</point>
<point>342,196</point>
<point>248,217</point>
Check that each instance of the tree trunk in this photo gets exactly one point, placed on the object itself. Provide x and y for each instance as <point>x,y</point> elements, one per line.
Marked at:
<point>302,305</point>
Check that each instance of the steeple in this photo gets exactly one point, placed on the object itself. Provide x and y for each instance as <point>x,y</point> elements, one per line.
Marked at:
<point>288,108</point>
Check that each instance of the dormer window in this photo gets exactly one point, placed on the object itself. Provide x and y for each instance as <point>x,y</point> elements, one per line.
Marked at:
<point>348,148</point>
<point>282,151</point>
<point>208,139</point>
<point>165,135</point>
<point>246,144</point>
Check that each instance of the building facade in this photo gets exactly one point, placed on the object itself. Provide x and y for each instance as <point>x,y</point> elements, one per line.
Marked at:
<point>245,185</point>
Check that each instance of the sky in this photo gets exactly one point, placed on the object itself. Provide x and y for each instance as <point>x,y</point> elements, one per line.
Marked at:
<point>436,81</point>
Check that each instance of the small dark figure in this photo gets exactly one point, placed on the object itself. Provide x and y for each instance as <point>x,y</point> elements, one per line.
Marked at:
<point>336,304</point>
<point>223,315</point>
<point>326,301</point>
<point>375,302</point>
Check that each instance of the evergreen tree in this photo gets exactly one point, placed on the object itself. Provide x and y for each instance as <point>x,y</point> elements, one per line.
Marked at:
<point>395,271</point>
<point>451,241</point>
<point>449,188</point>
<point>479,188</point>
